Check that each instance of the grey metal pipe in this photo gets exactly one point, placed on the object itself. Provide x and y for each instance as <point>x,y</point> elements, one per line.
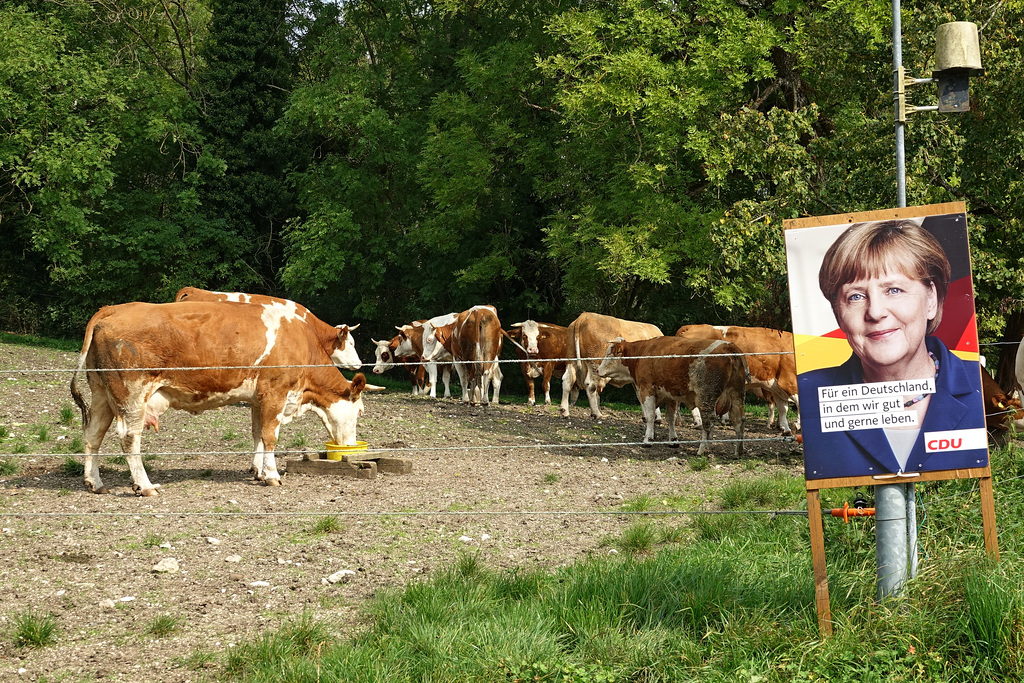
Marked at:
<point>891,539</point>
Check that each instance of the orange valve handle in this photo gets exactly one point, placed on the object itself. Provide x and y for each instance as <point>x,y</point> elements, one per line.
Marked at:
<point>846,512</point>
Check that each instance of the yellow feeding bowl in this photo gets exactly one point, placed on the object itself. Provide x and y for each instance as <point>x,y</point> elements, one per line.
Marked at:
<point>336,452</point>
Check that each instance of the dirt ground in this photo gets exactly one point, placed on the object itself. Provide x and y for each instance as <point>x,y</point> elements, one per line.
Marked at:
<point>520,486</point>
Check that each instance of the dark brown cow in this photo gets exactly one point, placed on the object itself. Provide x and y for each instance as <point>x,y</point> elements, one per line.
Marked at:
<point>537,344</point>
<point>1000,410</point>
<point>138,359</point>
<point>474,341</point>
<point>337,341</point>
<point>771,362</point>
<point>387,359</point>
<point>587,340</point>
<point>706,376</point>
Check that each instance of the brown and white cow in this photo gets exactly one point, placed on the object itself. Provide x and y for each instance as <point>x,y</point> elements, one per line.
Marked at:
<point>474,341</point>
<point>587,340</point>
<point>144,358</point>
<point>771,362</point>
<point>411,345</point>
<point>387,359</point>
<point>337,341</point>
<point>705,377</point>
<point>541,347</point>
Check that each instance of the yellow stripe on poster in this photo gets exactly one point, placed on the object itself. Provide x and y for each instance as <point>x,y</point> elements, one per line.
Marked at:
<point>819,352</point>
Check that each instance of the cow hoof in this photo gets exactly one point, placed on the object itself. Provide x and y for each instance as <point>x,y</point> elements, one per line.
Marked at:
<point>145,493</point>
<point>645,445</point>
<point>273,482</point>
<point>101,490</point>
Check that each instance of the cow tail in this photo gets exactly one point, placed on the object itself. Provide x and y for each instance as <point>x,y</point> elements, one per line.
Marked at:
<point>75,393</point>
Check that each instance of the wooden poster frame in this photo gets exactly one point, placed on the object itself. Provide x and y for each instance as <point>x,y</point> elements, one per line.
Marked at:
<point>814,486</point>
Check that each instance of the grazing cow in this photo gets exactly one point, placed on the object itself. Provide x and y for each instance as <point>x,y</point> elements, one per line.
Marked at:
<point>474,341</point>
<point>411,345</point>
<point>587,339</point>
<point>772,368</point>
<point>538,345</point>
<point>138,359</point>
<point>337,341</point>
<point>1000,410</point>
<point>387,359</point>
<point>707,378</point>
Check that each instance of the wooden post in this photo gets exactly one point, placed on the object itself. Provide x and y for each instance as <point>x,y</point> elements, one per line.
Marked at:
<point>818,557</point>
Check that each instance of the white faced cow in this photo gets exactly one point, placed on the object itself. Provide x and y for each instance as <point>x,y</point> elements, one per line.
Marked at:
<point>139,360</point>
<point>537,345</point>
<point>474,341</point>
<point>387,358</point>
<point>771,362</point>
<point>411,344</point>
<point>587,339</point>
<point>337,341</point>
<point>701,375</point>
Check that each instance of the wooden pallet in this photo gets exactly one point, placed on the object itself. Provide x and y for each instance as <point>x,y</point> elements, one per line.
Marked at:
<point>352,467</point>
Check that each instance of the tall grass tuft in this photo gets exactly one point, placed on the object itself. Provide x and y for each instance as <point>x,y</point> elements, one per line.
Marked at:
<point>9,467</point>
<point>324,526</point>
<point>34,630</point>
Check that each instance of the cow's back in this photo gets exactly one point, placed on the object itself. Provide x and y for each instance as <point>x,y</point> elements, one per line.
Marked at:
<point>589,334</point>
<point>688,367</point>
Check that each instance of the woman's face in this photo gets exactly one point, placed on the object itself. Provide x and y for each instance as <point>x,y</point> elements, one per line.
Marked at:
<point>885,319</point>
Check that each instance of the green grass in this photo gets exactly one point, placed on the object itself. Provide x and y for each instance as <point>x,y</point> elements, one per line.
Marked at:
<point>67,415</point>
<point>326,525</point>
<point>41,342</point>
<point>716,597</point>
<point>9,467</point>
<point>163,626</point>
<point>34,630</point>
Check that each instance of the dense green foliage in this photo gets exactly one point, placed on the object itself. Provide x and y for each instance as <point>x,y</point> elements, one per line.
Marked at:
<point>384,160</point>
<point>721,598</point>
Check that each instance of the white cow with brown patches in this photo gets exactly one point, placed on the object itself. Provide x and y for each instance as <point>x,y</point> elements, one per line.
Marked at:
<point>387,358</point>
<point>196,356</point>
<point>587,339</point>
<point>699,373</point>
<point>337,341</point>
<point>474,341</point>
<point>411,344</point>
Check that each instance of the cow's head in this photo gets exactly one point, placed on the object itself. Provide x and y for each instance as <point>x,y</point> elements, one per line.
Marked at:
<point>384,351</point>
<point>612,369</point>
<point>341,416</point>
<point>344,354</point>
<point>528,335</point>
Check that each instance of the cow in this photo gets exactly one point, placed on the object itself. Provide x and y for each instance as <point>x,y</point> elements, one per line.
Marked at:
<point>144,358</point>
<point>337,341</point>
<point>587,339</point>
<point>387,359</point>
<point>771,362</point>
<point>541,348</point>
<point>708,374</point>
<point>411,345</point>
<point>1019,366</point>
<point>1000,410</point>
<point>474,341</point>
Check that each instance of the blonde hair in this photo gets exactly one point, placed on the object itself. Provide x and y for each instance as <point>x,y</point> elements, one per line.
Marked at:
<point>868,250</point>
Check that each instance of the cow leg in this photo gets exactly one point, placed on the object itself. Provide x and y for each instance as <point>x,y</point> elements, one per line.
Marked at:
<point>568,387</point>
<point>432,375</point>
<point>736,416</point>
<point>100,417</point>
<point>267,470</point>
<point>496,378</point>
<point>708,410</point>
<point>531,399</point>
<point>697,422</point>
<point>446,377</point>
<point>671,412</point>
<point>545,384</point>
<point>649,405</point>
<point>131,443</point>
<point>780,399</point>
<point>257,443</point>
<point>594,394</point>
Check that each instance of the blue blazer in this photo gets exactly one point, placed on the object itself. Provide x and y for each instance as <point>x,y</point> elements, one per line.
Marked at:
<point>956,404</point>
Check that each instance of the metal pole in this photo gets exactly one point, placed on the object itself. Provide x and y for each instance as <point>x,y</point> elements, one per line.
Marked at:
<point>891,532</point>
<point>891,499</point>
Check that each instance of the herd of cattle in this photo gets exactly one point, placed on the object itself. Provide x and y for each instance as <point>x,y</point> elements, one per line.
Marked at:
<point>210,349</point>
